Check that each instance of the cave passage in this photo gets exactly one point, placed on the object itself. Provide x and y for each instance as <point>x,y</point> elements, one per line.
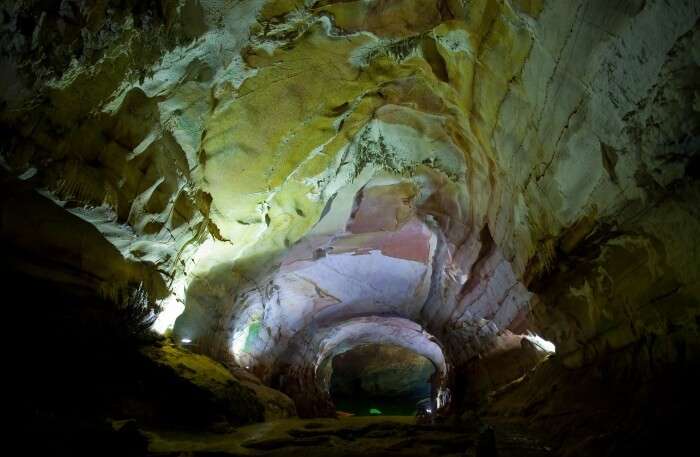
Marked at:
<point>356,228</point>
<point>380,379</point>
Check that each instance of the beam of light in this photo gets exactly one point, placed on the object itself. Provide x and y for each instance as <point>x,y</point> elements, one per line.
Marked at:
<point>238,343</point>
<point>171,307</point>
<point>546,346</point>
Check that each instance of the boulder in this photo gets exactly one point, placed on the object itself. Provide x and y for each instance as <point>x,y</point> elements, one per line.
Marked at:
<point>204,391</point>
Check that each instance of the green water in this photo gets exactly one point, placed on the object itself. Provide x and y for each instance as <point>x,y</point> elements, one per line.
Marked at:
<point>360,406</point>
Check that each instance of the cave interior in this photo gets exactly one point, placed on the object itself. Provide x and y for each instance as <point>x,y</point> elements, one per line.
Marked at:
<point>351,227</point>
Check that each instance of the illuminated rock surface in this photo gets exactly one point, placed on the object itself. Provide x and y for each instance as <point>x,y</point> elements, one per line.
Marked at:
<point>288,180</point>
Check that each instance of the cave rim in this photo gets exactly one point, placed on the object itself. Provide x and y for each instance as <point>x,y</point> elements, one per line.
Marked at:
<point>399,331</point>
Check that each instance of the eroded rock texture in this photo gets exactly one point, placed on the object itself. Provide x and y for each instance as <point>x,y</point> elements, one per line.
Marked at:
<point>296,178</point>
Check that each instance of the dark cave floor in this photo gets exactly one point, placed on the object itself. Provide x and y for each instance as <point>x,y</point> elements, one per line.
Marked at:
<point>351,436</point>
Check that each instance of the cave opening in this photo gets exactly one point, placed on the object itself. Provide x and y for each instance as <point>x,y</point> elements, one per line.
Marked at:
<point>380,379</point>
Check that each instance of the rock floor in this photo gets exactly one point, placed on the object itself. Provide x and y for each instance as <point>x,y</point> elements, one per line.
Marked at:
<point>352,436</point>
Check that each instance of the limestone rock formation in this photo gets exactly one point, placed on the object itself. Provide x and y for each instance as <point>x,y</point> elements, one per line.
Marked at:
<point>291,179</point>
<point>237,399</point>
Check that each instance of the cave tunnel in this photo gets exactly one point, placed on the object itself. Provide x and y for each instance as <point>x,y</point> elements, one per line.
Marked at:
<point>351,228</point>
<point>376,379</point>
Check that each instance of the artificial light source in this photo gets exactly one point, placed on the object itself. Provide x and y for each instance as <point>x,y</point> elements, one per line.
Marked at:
<point>186,340</point>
